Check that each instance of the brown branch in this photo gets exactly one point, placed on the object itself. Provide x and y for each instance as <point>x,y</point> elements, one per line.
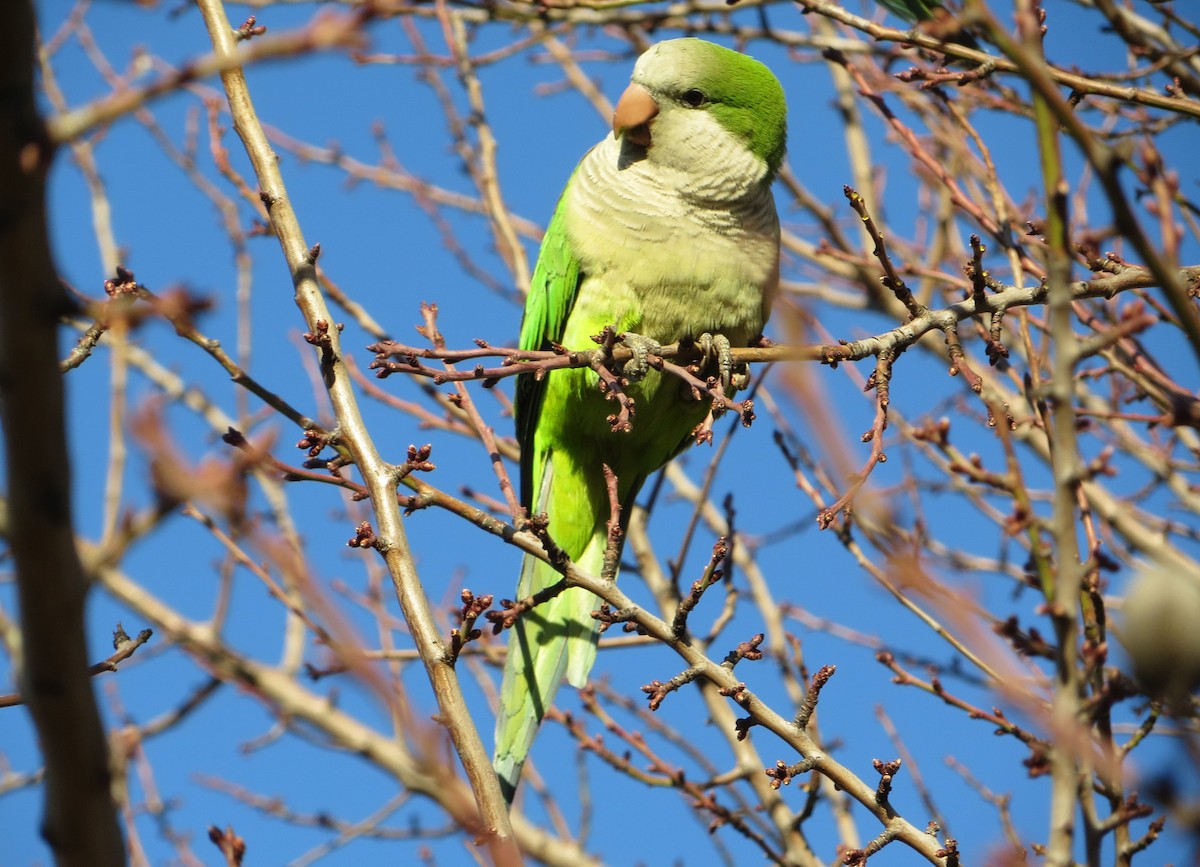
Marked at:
<point>462,400</point>
<point>1076,82</point>
<point>380,479</point>
<point>879,381</point>
<point>996,304</point>
<point>473,606</point>
<point>815,685</point>
<point>615,536</point>
<point>326,31</point>
<point>712,574</point>
<point>126,647</point>
<point>891,279</point>
<point>79,821</point>
<point>660,773</point>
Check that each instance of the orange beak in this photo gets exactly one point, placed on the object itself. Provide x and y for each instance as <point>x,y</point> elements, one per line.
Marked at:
<point>635,110</point>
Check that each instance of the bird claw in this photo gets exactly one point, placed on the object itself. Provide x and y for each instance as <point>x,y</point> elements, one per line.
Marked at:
<point>635,368</point>
<point>716,346</point>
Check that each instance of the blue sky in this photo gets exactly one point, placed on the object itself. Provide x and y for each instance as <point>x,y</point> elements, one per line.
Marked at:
<point>379,246</point>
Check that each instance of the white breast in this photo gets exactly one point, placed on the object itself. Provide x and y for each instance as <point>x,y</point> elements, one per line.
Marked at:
<point>683,241</point>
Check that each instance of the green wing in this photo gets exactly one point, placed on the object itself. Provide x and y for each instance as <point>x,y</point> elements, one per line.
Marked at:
<point>552,292</point>
<point>538,643</point>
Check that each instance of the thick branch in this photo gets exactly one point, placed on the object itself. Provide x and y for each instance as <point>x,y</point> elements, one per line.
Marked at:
<point>79,821</point>
<point>380,478</point>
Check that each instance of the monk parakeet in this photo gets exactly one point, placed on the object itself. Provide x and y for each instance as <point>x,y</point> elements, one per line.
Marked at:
<point>667,231</point>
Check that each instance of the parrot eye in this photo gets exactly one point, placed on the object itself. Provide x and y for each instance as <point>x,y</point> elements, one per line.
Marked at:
<point>694,98</point>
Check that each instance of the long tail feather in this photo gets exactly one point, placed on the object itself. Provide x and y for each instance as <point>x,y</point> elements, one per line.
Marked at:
<point>555,639</point>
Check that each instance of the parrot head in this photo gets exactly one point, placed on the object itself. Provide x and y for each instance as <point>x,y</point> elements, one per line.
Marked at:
<point>686,91</point>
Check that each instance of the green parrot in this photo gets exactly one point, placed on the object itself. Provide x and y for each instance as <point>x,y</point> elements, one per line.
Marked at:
<point>667,231</point>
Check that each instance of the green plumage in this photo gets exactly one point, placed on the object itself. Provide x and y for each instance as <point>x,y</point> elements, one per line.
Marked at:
<point>669,241</point>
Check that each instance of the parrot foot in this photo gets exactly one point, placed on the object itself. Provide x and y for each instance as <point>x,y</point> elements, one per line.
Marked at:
<point>716,347</point>
<point>635,369</point>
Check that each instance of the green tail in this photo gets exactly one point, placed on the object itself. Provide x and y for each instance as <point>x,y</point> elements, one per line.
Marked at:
<point>563,477</point>
<point>556,639</point>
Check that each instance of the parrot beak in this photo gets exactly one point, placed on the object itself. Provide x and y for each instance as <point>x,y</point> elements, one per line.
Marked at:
<point>635,110</point>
